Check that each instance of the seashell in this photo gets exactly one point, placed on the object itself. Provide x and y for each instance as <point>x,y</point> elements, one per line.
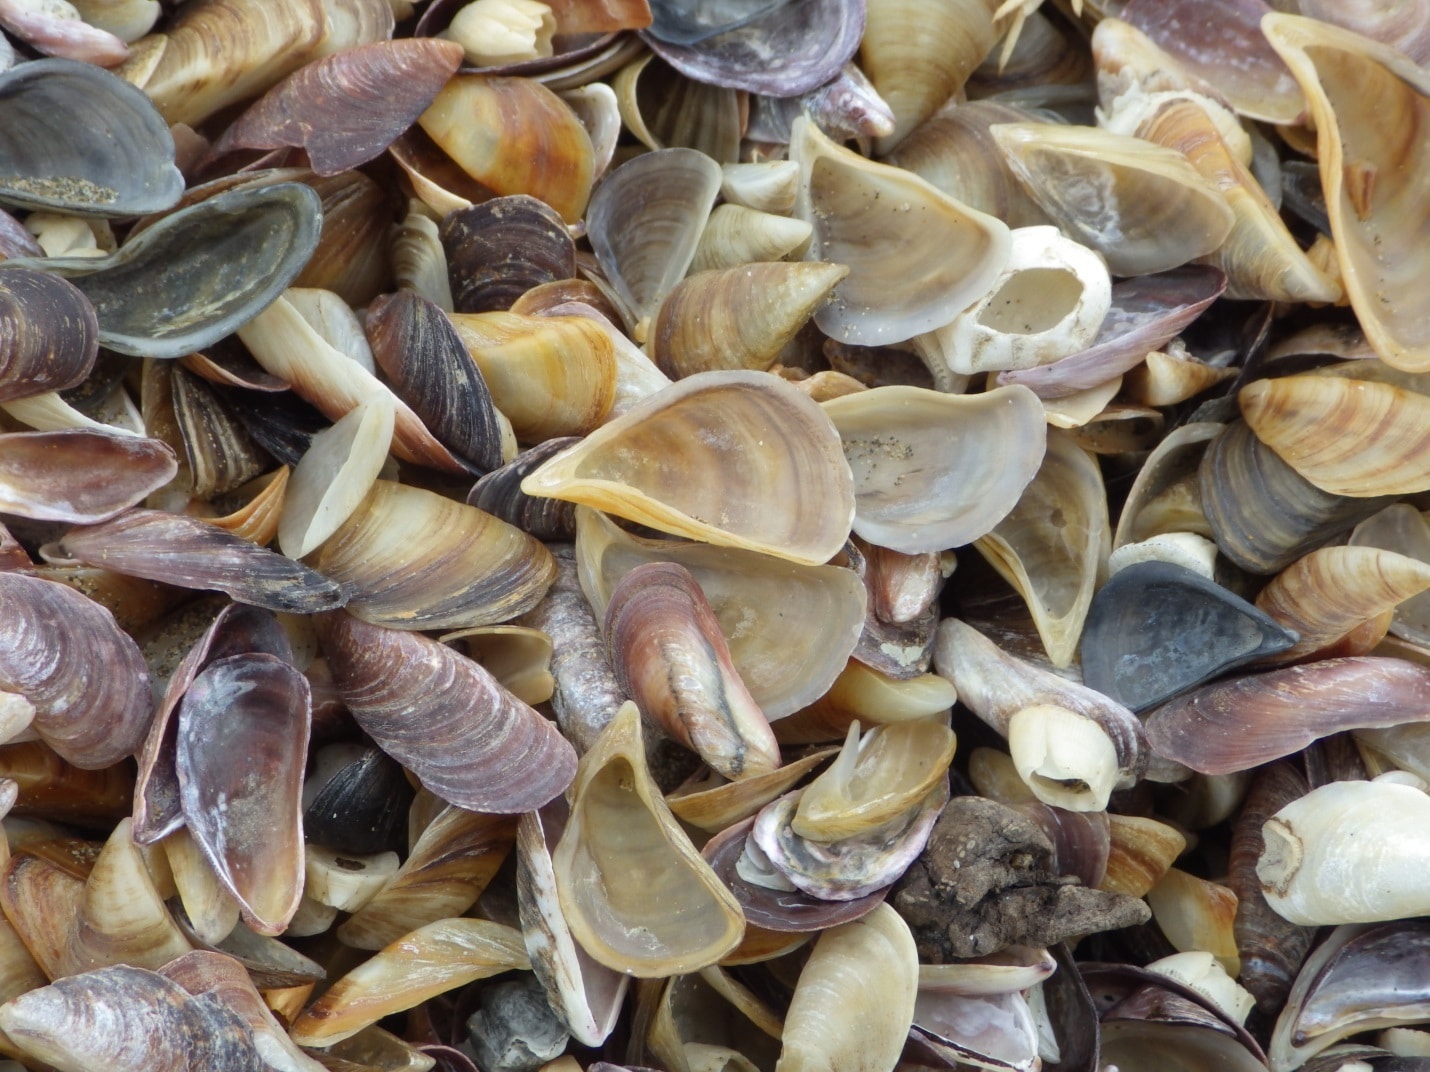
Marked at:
<point>256,707</point>
<point>1260,257</point>
<point>116,157</point>
<point>430,961</point>
<point>500,249</point>
<point>1402,29</point>
<point>1100,736</point>
<point>757,415</point>
<point>755,597</point>
<point>1315,424</point>
<point>851,868</point>
<point>550,376</point>
<point>1201,972</point>
<point>861,693</point>
<point>736,235</point>
<point>675,189</point>
<point>598,109</point>
<point>1053,544</point>
<point>1271,949</point>
<point>670,656</point>
<point>515,1022</point>
<point>1155,1019</point>
<point>1139,855</point>
<point>586,995</point>
<point>346,882</point>
<point>495,33</point>
<point>128,20</point>
<point>1101,189</point>
<point>902,587</point>
<point>1195,914</point>
<point>1243,722</point>
<point>57,30</point>
<point>819,1030</point>
<point>636,375</point>
<point>735,1026</point>
<point>874,780</point>
<point>51,335</point>
<point>924,480</point>
<point>918,72</point>
<point>948,255</point>
<point>1139,647</point>
<point>505,572</point>
<point>77,476</point>
<point>737,318</point>
<point>226,257</point>
<point>426,363</point>
<point>997,1030</point>
<point>710,803</point>
<point>444,740</point>
<point>665,109</point>
<point>383,87</point>
<point>1358,979</point>
<point>1010,328</point>
<point>270,963</point>
<point>44,898</point>
<point>353,256</point>
<point>448,868</point>
<point>517,656</point>
<point>771,186</point>
<point>586,695</point>
<point>1361,172</point>
<point>49,786</point>
<point>356,800</point>
<point>52,635</point>
<point>1400,528</point>
<point>787,50</point>
<point>1336,830</point>
<point>1168,377</point>
<point>1332,591</point>
<point>127,1019</point>
<point>419,262</point>
<point>1166,494</point>
<point>199,555</point>
<point>1185,549</point>
<point>623,856</point>
<point>514,136</point>
<point>210,911</point>
<point>499,494</point>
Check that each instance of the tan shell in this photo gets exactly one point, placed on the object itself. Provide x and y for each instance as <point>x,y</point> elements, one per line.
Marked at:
<point>1140,853</point>
<point>623,859</point>
<point>1196,914</point>
<point>759,444</point>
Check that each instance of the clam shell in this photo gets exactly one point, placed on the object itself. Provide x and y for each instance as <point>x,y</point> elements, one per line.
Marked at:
<point>623,858</point>
<point>481,571</point>
<point>665,109</point>
<point>345,109</point>
<point>356,800</point>
<point>84,676</point>
<point>1139,853</point>
<point>772,447</point>
<point>1402,529</point>
<point>1157,629</point>
<point>115,156</point>
<point>1195,914</point>
<point>468,740</point>
<point>353,258</point>
<point>925,478</point>
<point>1238,724</point>
<point>863,694</point>
<point>242,743</point>
<point>883,222</point>
<point>50,332</point>
<point>77,476</point>
<point>184,551</point>
<point>712,804</point>
<point>736,235</point>
<point>199,273</point>
<point>500,249</point>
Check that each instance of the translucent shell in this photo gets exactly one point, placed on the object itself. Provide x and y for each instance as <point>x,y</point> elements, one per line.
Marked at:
<point>772,474</point>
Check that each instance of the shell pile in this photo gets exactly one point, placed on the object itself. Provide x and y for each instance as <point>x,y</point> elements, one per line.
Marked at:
<point>714,535</point>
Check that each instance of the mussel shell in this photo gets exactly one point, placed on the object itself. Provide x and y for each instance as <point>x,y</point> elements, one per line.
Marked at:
<point>500,249</point>
<point>199,273</point>
<point>362,808</point>
<point>681,22</point>
<point>499,494</point>
<point>789,50</point>
<point>110,155</point>
<point>49,336</point>
<point>77,476</point>
<point>1157,629</point>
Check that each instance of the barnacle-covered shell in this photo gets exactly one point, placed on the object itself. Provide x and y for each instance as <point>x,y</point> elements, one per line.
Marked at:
<point>345,109</point>
<point>78,476</point>
<point>49,331</point>
<point>623,859</point>
<point>763,444</point>
<point>84,676</point>
<point>115,156</point>
<point>199,273</point>
<point>884,222</point>
<point>184,551</point>
<point>755,597</point>
<point>474,569</point>
<point>932,470</point>
<point>445,718</point>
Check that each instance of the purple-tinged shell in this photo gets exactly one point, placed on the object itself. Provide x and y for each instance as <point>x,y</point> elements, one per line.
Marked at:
<point>49,334</point>
<point>78,476</point>
<point>500,249</point>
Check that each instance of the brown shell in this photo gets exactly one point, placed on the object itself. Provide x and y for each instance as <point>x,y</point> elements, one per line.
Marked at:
<point>345,109</point>
<point>83,674</point>
<point>502,248</point>
<point>78,476</point>
<point>49,335</point>
<point>445,718</point>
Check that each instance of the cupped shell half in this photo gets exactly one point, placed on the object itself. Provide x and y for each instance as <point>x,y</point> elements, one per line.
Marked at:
<point>772,474</point>
<point>112,155</point>
<point>623,860</point>
<point>932,470</point>
<point>78,476</point>
<point>886,224</point>
<point>84,676</point>
<point>445,718</point>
